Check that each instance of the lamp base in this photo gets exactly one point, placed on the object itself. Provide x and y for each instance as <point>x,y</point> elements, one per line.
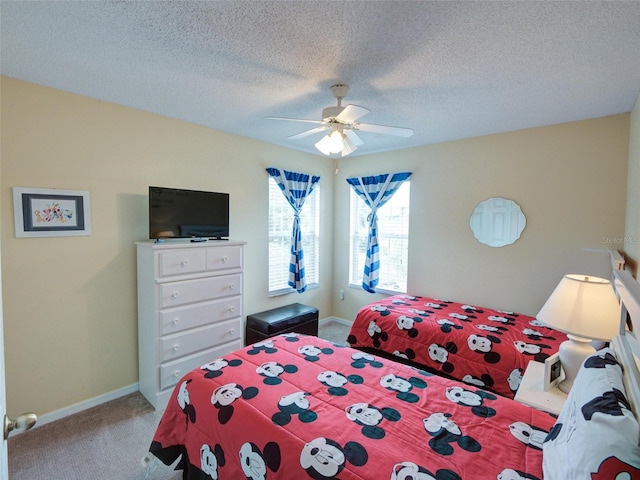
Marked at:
<point>573,353</point>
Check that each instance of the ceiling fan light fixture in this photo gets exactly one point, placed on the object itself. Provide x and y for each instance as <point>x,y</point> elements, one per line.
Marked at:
<point>331,143</point>
<point>348,147</point>
<point>335,142</point>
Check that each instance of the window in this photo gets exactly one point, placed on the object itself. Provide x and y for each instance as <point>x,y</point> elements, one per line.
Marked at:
<point>280,227</point>
<point>393,240</point>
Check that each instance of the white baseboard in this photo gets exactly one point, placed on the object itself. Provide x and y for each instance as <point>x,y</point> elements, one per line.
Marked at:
<point>121,392</point>
<point>84,405</point>
<point>339,320</point>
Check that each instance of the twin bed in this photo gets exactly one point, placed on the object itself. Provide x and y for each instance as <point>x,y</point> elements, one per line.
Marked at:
<point>479,346</point>
<point>297,406</point>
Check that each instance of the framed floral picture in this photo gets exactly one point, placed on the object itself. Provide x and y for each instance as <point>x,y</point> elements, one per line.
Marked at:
<point>42,212</point>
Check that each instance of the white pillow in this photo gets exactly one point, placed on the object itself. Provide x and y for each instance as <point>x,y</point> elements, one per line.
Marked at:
<point>596,435</point>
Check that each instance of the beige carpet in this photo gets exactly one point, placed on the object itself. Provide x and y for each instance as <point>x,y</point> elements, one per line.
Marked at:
<point>107,442</point>
<point>334,332</point>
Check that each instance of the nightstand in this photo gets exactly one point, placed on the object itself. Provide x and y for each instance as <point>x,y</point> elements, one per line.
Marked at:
<point>531,391</point>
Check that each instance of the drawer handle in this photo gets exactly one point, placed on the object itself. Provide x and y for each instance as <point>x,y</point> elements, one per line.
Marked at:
<point>175,295</point>
<point>184,263</point>
<point>176,347</point>
<point>176,320</point>
<point>232,331</point>
<point>232,308</point>
<point>232,286</point>
<point>224,259</point>
<point>177,373</point>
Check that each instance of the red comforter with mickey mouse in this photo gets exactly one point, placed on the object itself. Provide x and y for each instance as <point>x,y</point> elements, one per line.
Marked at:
<point>480,346</point>
<point>295,407</point>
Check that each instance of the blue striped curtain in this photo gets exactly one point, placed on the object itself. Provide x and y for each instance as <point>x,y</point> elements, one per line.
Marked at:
<point>295,187</point>
<point>375,191</point>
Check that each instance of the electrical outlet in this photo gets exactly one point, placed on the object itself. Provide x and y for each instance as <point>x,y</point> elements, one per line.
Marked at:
<point>341,294</point>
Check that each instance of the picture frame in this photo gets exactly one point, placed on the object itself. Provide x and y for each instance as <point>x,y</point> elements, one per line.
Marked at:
<point>553,373</point>
<point>40,212</point>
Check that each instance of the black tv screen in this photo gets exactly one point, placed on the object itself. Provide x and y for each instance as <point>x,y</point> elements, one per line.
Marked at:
<point>179,213</point>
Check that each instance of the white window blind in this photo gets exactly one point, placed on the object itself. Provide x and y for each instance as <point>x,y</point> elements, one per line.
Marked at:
<point>280,226</point>
<point>393,240</point>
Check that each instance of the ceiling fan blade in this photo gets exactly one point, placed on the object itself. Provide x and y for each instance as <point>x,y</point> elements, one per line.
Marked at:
<point>317,122</point>
<point>384,129</point>
<point>351,113</point>
<point>308,132</point>
<point>353,138</point>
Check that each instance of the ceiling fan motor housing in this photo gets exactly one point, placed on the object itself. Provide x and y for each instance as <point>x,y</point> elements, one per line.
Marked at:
<point>340,90</point>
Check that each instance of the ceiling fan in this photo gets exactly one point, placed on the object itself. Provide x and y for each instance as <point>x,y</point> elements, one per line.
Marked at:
<point>341,124</point>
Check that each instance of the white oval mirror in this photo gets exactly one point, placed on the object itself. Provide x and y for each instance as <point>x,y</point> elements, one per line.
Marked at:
<point>497,222</point>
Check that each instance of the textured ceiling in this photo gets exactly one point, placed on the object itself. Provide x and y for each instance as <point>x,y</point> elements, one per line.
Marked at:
<point>448,70</point>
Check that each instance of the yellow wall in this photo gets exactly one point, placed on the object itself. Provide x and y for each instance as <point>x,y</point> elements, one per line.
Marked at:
<point>632,227</point>
<point>569,179</point>
<point>70,311</point>
<point>70,303</point>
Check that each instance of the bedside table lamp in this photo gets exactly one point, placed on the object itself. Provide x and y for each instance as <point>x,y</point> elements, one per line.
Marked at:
<point>585,308</point>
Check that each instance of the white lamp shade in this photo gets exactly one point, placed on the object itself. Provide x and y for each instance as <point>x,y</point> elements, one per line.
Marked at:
<point>335,142</point>
<point>349,147</point>
<point>323,146</point>
<point>583,305</point>
<point>331,143</point>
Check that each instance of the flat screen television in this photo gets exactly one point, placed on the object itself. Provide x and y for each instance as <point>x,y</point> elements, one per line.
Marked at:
<point>179,213</point>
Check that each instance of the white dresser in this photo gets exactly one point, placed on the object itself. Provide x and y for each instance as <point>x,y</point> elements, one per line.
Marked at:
<point>189,310</point>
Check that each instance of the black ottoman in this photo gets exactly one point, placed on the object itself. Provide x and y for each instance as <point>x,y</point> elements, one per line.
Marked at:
<point>290,318</point>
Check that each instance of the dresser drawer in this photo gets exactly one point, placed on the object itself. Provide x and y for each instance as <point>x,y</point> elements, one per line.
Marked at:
<point>180,262</point>
<point>178,319</point>
<point>191,291</point>
<point>175,346</point>
<point>171,372</point>
<point>223,258</point>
